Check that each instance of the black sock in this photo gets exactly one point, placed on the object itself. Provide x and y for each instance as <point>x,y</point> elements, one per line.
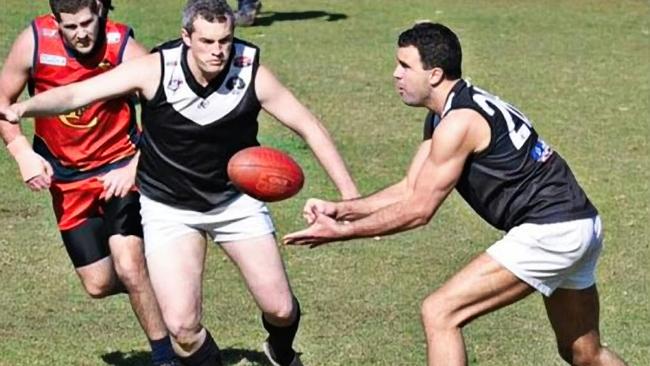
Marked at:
<point>162,351</point>
<point>281,338</point>
<point>206,355</point>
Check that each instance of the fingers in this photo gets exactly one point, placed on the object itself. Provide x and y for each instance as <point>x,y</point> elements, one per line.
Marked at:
<point>39,183</point>
<point>8,114</point>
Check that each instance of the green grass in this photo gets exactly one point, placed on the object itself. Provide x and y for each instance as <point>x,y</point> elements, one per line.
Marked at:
<point>579,70</point>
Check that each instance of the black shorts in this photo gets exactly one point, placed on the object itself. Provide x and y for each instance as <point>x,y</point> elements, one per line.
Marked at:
<point>88,242</point>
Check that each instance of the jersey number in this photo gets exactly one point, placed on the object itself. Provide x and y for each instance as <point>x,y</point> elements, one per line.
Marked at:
<point>512,116</point>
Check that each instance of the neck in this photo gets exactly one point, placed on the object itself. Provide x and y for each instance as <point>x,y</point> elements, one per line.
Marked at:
<point>439,96</point>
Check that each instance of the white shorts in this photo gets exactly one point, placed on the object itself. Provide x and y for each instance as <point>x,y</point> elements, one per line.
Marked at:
<point>551,256</point>
<point>241,218</point>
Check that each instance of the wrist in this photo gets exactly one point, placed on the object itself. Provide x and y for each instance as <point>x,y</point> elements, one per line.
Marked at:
<point>19,145</point>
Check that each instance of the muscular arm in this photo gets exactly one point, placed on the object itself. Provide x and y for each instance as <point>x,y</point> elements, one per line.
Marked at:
<point>140,75</point>
<point>278,101</point>
<point>13,78</point>
<point>462,133</point>
<point>358,208</point>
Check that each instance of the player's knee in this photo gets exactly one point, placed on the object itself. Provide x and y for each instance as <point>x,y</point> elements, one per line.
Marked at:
<point>436,314</point>
<point>281,313</point>
<point>580,355</point>
<point>98,289</point>
<point>130,270</point>
<point>184,332</point>
<point>183,326</point>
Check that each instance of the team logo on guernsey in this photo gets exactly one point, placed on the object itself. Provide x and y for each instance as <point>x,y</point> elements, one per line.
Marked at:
<point>113,37</point>
<point>235,83</point>
<point>74,120</point>
<point>53,60</point>
<point>174,84</point>
<point>49,32</point>
<point>541,151</point>
<point>105,65</point>
<point>243,61</point>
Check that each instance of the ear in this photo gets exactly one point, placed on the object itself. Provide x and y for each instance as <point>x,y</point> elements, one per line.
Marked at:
<point>186,37</point>
<point>436,76</point>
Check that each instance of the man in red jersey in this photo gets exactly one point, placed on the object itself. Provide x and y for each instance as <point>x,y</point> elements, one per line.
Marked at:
<point>86,158</point>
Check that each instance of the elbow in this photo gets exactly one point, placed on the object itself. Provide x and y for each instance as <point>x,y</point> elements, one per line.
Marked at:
<point>421,216</point>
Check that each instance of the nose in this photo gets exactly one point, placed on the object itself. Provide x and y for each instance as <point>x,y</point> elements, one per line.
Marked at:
<point>82,33</point>
<point>397,73</point>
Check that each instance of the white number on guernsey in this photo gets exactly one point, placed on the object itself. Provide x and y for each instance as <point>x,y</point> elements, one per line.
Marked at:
<point>509,113</point>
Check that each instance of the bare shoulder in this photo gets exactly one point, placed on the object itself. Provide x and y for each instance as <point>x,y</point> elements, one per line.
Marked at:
<point>22,50</point>
<point>134,50</point>
<point>266,84</point>
<point>462,130</point>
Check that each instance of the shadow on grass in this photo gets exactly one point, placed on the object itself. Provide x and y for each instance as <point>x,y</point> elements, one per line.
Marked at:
<point>230,356</point>
<point>266,18</point>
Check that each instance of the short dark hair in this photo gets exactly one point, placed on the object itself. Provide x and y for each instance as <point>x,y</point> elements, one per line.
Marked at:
<point>72,6</point>
<point>438,47</point>
<point>210,10</point>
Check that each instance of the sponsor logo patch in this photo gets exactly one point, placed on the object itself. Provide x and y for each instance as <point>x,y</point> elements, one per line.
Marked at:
<point>49,32</point>
<point>113,37</point>
<point>243,61</point>
<point>235,83</point>
<point>174,84</point>
<point>53,60</point>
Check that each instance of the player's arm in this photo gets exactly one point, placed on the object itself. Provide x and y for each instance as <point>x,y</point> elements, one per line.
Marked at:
<point>140,75</point>
<point>35,171</point>
<point>362,207</point>
<point>455,139</point>
<point>278,101</point>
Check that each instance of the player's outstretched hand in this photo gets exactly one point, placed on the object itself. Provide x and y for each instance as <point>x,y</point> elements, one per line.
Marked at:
<point>119,182</point>
<point>315,205</point>
<point>324,229</point>
<point>10,114</point>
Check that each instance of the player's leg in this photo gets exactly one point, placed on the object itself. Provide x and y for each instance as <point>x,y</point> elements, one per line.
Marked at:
<point>574,315</point>
<point>481,287</point>
<point>260,264</point>
<point>123,223</point>
<point>247,11</point>
<point>175,255</point>
<point>84,235</point>
<point>87,247</point>
<point>250,244</point>
<point>573,309</point>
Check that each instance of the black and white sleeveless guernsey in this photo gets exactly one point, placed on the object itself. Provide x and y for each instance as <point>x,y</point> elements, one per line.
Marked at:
<point>190,132</point>
<point>518,178</point>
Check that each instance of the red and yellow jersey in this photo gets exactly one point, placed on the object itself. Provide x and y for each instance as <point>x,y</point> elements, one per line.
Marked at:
<point>92,139</point>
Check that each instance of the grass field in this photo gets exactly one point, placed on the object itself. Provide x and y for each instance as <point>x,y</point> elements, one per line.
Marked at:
<point>580,70</point>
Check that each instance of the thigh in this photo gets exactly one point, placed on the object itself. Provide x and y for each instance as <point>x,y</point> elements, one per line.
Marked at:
<point>176,273</point>
<point>548,256</point>
<point>86,243</point>
<point>574,316</point>
<point>480,287</point>
<point>261,266</point>
<point>122,215</point>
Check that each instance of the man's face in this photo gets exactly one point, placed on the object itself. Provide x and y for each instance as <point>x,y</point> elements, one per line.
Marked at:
<point>412,81</point>
<point>80,30</point>
<point>210,44</point>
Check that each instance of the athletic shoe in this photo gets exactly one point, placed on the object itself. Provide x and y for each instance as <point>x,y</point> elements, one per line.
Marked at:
<point>268,351</point>
<point>247,18</point>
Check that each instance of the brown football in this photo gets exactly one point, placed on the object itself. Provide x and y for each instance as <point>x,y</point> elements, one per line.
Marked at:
<point>265,173</point>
